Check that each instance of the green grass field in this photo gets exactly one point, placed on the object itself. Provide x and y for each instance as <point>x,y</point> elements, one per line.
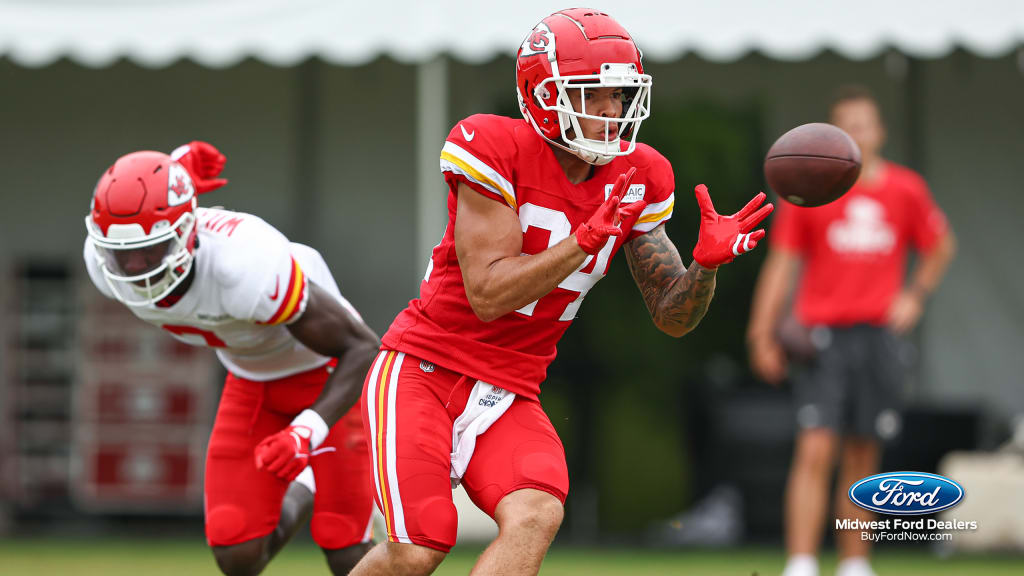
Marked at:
<point>44,557</point>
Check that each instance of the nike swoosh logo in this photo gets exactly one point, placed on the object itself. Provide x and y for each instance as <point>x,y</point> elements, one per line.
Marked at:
<point>467,135</point>
<point>277,288</point>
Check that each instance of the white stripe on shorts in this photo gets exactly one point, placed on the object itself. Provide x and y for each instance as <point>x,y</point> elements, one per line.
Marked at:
<point>391,465</point>
<point>371,416</point>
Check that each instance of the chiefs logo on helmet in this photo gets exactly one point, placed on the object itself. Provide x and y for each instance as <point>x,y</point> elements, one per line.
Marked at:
<point>179,185</point>
<point>540,41</point>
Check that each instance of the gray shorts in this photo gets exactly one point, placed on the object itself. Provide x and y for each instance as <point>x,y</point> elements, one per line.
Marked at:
<point>854,385</point>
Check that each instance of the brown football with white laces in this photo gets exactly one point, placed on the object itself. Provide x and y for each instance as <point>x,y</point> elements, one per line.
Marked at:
<point>812,164</point>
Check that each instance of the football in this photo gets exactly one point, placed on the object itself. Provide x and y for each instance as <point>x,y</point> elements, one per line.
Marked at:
<point>812,164</point>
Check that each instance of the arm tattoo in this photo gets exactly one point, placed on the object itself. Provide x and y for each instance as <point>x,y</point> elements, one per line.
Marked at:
<point>676,297</point>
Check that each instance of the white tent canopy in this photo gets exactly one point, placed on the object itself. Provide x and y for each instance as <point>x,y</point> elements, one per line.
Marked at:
<point>219,33</point>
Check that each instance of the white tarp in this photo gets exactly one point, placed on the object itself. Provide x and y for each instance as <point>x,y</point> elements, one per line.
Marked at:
<point>219,33</point>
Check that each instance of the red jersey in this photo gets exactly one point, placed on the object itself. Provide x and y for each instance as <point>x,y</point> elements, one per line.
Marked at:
<point>854,250</point>
<point>506,160</point>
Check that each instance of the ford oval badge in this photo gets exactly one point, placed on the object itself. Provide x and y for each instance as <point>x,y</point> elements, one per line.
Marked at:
<point>906,493</point>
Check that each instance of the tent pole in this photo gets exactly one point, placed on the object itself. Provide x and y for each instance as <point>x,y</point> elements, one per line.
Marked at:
<point>308,118</point>
<point>432,101</point>
<point>916,108</point>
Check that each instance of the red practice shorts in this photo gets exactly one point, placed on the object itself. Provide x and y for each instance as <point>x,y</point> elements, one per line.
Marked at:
<point>243,503</point>
<point>409,408</point>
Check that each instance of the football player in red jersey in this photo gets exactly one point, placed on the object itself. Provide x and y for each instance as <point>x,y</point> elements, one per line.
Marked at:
<point>296,353</point>
<point>542,206</point>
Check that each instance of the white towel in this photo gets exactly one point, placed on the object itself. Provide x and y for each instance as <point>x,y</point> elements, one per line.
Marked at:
<point>485,405</point>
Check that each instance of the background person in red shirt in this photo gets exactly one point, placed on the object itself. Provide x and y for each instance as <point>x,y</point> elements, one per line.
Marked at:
<point>852,302</point>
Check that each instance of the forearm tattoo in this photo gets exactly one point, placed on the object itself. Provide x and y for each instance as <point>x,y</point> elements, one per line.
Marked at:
<point>676,297</point>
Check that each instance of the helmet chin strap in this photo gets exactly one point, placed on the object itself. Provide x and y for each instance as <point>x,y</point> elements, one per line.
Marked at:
<point>589,156</point>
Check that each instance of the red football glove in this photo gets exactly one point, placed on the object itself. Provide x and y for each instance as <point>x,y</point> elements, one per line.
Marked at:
<point>629,214</point>
<point>610,219</point>
<point>203,162</point>
<point>723,238</point>
<point>287,452</point>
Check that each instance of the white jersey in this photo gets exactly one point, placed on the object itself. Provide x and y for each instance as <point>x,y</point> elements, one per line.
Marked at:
<point>249,282</point>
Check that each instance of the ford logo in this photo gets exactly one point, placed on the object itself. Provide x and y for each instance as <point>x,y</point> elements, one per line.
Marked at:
<point>906,493</point>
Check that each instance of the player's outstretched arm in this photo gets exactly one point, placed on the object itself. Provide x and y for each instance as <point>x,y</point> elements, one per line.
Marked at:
<point>327,328</point>
<point>676,296</point>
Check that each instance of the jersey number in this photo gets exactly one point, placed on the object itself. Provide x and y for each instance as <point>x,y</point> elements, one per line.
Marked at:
<point>580,282</point>
<point>183,333</point>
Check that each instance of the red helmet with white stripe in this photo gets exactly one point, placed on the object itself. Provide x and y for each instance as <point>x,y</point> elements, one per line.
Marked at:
<point>577,49</point>
<point>142,224</point>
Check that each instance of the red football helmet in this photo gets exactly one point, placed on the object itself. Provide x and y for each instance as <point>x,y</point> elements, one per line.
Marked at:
<point>142,224</point>
<point>577,49</point>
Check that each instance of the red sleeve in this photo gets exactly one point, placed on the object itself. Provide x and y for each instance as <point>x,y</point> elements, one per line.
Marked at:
<point>927,221</point>
<point>480,153</point>
<point>787,232</point>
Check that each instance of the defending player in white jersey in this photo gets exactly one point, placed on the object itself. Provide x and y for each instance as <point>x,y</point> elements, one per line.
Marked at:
<point>296,353</point>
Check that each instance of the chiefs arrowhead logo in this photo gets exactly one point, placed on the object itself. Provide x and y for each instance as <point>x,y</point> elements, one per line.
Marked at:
<point>540,41</point>
<point>179,185</point>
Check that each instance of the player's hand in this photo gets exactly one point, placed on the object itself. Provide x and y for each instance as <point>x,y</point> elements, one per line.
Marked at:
<point>904,312</point>
<point>203,162</point>
<point>629,214</point>
<point>768,360</point>
<point>609,219</point>
<point>723,238</point>
<point>286,453</point>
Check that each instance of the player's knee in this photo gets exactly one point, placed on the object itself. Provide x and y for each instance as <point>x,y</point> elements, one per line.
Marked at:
<point>225,526</point>
<point>335,531</point>
<point>436,521</point>
<point>537,513</point>
<point>413,559</point>
<point>546,517</point>
<point>245,559</point>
